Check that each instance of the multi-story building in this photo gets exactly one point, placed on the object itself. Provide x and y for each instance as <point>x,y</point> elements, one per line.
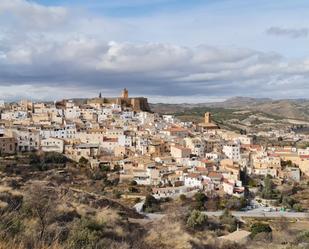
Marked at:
<point>27,139</point>
<point>7,145</point>
<point>232,151</point>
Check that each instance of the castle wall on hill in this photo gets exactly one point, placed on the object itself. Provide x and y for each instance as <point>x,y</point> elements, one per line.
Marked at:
<point>137,104</point>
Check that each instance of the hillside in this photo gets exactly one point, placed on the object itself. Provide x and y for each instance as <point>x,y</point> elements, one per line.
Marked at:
<point>293,109</point>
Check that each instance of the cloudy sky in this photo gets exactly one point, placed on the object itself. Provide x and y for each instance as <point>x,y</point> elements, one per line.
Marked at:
<point>166,50</point>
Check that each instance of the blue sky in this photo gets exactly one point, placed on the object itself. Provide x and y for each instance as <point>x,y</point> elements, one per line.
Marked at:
<point>130,8</point>
<point>186,50</point>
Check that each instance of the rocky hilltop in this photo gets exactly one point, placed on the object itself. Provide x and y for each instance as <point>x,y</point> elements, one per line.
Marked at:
<point>136,103</point>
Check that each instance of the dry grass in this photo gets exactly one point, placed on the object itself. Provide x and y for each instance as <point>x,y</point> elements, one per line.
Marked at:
<point>273,246</point>
<point>166,234</point>
<point>83,209</point>
<point>107,215</point>
<point>3,204</point>
<point>65,208</point>
<point>4,245</point>
<point>9,190</point>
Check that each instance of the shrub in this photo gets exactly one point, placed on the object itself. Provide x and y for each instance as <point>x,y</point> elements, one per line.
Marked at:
<point>235,203</point>
<point>196,220</point>
<point>85,234</point>
<point>229,221</point>
<point>104,168</point>
<point>83,161</point>
<point>303,237</point>
<point>117,168</point>
<point>11,225</point>
<point>39,203</point>
<point>66,216</point>
<point>133,189</point>
<point>252,183</point>
<point>137,200</point>
<point>288,202</point>
<point>97,175</point>
<point>117,194</point>
<point>182,197</point>
<point>14,201</point>
<point>34,158</point>
<point>213,204</point>
<point>297,207</point>
<point>133,183</point>
<point>54,157</point>
<point>151,204</point>
<point>199,201</point>
<point>41,166</point>
<point>259,227</point>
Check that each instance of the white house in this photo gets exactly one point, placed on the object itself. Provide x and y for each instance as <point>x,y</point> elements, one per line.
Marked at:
<point>14,115</point>
<point>232,151</point>
<point>27,139</point>
<point>72,112</point>
<point>52,144</point>
<point>193,180</point>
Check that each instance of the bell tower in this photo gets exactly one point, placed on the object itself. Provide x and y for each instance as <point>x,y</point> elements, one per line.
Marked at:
<point>207,118</point>
<point>125,93</point>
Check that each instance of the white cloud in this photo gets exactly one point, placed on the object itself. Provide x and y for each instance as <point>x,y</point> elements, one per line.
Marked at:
<point>150,68</point>
<point>56,53</point>
<point>288,32</point>
<point>45,92</point>
<point>31,15</point>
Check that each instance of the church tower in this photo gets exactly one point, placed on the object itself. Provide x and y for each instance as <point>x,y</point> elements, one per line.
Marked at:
<point>207,118</point>
<point>125,94</point>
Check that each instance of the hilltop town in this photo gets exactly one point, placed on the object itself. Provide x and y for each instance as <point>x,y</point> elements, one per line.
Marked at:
<point>119,153</point>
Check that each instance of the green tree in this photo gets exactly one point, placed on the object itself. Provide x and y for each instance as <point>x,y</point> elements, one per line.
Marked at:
<point>196,220</point>
<point>268,188</point>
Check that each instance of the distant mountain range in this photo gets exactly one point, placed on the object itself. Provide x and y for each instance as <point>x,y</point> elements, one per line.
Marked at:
<point>285,108</point>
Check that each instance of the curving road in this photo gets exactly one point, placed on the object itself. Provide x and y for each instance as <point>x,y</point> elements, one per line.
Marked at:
<point>262,214</point>
<point>243,214</point>
<point>255,213</point>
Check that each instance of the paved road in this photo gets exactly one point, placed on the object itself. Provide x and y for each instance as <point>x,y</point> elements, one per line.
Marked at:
<point>261,214</point>
<point>244,214</point>
<point>255,213</point>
